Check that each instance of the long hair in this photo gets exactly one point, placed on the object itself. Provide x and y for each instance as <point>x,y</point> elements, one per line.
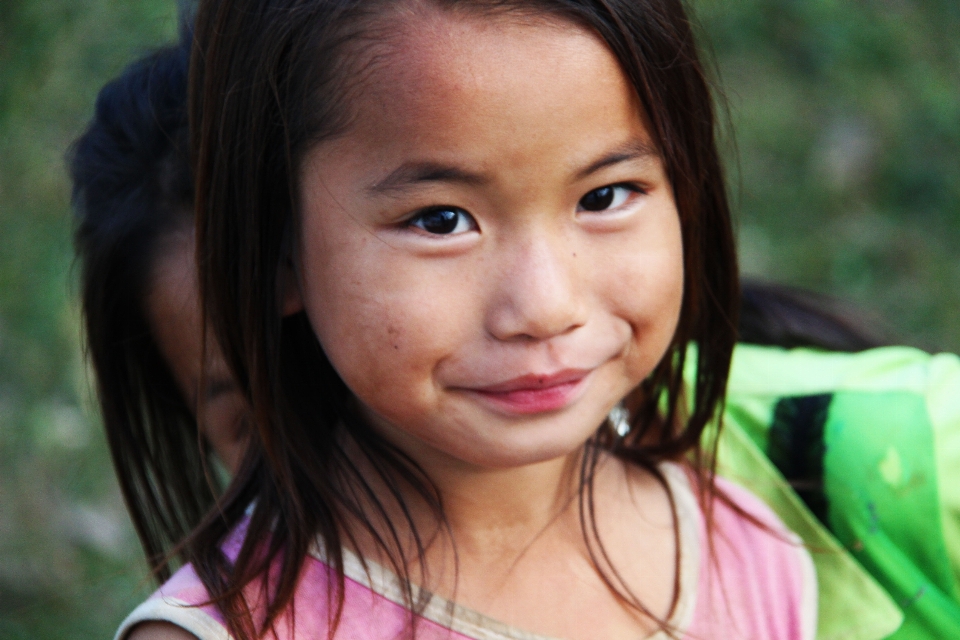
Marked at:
<point>132,187</point>
<point>269,80</point>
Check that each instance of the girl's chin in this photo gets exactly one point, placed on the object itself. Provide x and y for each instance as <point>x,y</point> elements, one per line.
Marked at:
<point>518,445</point>
<point>496,432</point>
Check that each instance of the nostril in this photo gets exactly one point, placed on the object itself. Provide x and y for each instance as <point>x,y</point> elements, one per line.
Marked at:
<point>532,322</point>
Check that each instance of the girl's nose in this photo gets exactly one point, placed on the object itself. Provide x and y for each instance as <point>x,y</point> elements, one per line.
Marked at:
<point>537,295</point>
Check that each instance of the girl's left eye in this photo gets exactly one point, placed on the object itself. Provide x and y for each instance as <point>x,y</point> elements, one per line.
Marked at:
<point>608,197</point>
<point>444,221</point>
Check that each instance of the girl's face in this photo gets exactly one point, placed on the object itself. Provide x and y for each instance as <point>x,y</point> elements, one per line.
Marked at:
<point>490,255</point>
<point>172,307</point>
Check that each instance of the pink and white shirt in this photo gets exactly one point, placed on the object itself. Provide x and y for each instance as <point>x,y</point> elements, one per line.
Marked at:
<point>753,586</point>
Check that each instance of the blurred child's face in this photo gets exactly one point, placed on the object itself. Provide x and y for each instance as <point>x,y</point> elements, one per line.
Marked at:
<point>490,255</point>
<point>173,310</point>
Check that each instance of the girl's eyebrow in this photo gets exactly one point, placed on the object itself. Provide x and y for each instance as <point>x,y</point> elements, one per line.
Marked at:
<point>219,386</point>
<point>633,150</point>
<point>410,174</point>
<point>216,387</point>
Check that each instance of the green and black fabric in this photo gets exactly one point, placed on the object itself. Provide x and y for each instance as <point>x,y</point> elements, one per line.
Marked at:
<point>859,453</point>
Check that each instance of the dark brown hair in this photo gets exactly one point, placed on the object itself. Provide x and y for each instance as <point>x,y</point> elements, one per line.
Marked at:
<point>268,81</point>
<point>132,188</point>
<point>780,316</point>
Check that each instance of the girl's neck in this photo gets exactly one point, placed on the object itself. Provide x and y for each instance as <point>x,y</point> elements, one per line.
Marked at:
<point>507,532</point>
<point>481,504</point>
<point>483,509</point>
<point>495,515</point>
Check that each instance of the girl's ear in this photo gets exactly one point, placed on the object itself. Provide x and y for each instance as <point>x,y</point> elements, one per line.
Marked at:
<point>290,289</point>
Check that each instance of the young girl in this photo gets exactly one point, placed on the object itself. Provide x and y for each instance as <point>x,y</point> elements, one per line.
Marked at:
<point>439,243</point>
<point>133,195</point>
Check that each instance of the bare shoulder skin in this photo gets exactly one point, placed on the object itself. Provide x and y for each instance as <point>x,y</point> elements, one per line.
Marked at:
<point>159,631</point>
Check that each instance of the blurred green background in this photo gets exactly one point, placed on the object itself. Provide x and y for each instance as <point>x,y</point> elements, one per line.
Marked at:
<point>844,154</point>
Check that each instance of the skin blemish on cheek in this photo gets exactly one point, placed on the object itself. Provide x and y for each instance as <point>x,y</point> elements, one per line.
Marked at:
<point>393,332</point>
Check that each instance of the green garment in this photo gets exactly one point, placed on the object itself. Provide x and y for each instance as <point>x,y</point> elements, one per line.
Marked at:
<point>870,443</point>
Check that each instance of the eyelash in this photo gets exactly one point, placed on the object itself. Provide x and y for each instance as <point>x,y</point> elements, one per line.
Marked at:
<point>460,216</point>
<point>630,187</point>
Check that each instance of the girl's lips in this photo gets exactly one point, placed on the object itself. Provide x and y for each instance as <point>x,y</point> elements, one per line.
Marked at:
<point>535,393</point>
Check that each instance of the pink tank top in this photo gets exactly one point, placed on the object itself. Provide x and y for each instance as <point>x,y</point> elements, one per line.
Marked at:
<point>754,586</point>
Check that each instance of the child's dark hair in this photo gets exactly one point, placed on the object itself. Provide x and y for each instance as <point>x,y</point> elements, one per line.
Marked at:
<point>132,187</point>
<point>267,84</point>
<point>780,316</point>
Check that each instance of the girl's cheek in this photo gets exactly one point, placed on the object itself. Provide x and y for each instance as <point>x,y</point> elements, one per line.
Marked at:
<point>387,332</point>
<point>647,288</point>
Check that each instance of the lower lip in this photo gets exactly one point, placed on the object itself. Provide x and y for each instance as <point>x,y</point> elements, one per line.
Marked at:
<point>530,401</point>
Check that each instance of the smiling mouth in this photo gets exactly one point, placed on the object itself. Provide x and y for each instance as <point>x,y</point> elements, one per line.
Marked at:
<point>535,393</point>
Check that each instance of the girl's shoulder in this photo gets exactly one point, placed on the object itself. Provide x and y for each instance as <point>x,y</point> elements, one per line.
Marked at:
<point>373,605</point>
<point>181,601</point>
<point>754,578</point>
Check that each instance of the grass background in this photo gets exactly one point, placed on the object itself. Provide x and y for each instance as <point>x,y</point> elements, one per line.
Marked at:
<point>69,565</point>
<point>843,144</point>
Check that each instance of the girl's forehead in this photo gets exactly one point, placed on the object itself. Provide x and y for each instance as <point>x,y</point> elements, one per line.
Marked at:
<point>469,27</point>
<point>431,39</point>
<point>431,66</point>
<point>470,101</point>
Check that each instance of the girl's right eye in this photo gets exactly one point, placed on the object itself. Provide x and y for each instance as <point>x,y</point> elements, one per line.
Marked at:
<point>443,221</point>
